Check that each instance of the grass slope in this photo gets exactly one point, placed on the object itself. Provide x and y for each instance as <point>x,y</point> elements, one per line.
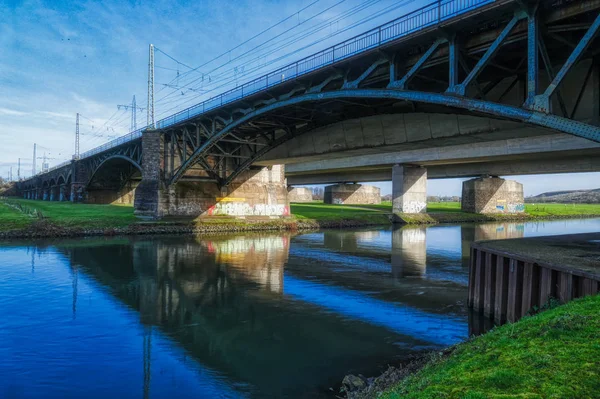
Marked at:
<point>320,211</point>
<point>554,354</point>
<point>13,219</point>
<point>66,214</point>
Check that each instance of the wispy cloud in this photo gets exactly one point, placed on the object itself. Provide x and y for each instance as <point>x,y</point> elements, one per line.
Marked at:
<point>11,112</point>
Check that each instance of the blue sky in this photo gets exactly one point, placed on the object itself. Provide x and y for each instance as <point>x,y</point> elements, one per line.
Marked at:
<point>58,58</point>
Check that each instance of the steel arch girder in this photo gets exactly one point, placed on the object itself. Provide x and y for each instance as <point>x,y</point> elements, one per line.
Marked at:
<point>503,111</point>
<point>113,156</point>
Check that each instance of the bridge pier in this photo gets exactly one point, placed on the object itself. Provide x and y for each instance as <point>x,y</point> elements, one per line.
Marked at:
<point>61,194</point>
<point>299,194</point>
<point>492,195</point>
<point>409,189</point>
<point>352,194</point>
<point>255,192</point>
<point>55,193</point>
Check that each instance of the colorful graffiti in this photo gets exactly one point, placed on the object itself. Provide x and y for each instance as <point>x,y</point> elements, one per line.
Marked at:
<point>245,209</point>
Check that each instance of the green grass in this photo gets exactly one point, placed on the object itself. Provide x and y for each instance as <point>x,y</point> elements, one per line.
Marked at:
<point>562,209</point>
<point>66,214</point>
<point>13,219</point>
<point>327,212</point>
<point>554,354</point>
<point>69,215</point>
<point>538,210</point>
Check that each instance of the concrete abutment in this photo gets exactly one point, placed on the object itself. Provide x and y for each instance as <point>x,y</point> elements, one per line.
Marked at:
<point>492,195</point>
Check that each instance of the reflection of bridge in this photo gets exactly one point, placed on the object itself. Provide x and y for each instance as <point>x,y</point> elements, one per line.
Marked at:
<point>237,314</point>
<point>501,85</point>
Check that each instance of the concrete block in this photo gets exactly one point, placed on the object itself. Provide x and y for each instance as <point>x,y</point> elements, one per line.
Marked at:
<point>299,194</point>
<point>492,195</point>
<point>352,194</point>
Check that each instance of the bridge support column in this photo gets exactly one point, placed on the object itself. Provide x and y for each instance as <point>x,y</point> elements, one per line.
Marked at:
<point>492,195</point>
<point>45,194</point>
<point>409,189</point>
<point>299,194</point>
<point>55,193</point>
<point>150,193</point>
<point>61,195</point>
<point>352,194</point>
<point>80,176</point>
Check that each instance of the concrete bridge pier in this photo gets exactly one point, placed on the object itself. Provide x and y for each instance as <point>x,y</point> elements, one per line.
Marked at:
<point>352,194</point>
<point>409,189</point>
<point>254,193</point>
<point>492,195</point>
<point>300,194</point>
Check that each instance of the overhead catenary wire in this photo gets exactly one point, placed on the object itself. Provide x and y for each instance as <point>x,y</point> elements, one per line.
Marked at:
<point>352,26</point>
<point>297,37</point>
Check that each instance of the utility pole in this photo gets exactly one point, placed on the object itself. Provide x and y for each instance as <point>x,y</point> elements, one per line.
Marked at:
<point>34,159</point>
<point>19,170</point>
<point>133,107</point>
<point>150,113</point>
<point>77,137</point>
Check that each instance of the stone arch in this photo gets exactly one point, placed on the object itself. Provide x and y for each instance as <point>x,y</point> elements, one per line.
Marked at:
<point>114,180</point>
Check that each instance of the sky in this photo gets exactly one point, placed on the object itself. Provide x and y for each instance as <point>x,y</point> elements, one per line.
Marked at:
<point>60,58</point>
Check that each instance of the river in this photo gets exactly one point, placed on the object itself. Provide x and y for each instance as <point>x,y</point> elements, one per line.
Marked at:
<point>247,315</point>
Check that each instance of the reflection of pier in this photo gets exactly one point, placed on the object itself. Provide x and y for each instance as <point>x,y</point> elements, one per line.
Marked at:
<point>409,251</point>
<point>488,231</point>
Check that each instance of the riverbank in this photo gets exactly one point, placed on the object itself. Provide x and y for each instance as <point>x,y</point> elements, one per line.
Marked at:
<point>28,218</point>
<point>41,219</point>
<point>554,354</point>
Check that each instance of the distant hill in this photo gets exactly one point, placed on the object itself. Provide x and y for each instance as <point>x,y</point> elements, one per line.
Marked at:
<point>568,196</point>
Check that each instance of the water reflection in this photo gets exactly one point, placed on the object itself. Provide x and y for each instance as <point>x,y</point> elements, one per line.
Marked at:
<point>247,315</point>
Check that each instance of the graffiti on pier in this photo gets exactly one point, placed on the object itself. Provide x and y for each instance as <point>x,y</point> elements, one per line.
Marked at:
<point>245,209</point>
<point>516,208</point>
<point>414,207</point>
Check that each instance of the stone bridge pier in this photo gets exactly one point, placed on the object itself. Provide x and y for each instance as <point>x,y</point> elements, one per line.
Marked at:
<point>256,192</point>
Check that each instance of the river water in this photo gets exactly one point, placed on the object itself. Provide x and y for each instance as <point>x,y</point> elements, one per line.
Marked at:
<point>247,315</point>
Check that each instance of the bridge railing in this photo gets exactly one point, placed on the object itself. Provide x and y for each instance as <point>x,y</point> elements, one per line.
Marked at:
<point>60,165</point>
<point>421,18</point>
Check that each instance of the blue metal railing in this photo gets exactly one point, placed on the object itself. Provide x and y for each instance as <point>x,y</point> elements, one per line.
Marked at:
<point>421,18</point>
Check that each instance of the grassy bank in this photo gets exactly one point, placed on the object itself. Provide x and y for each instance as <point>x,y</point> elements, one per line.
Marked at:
<point>64,214</point>
<point>555,354</point>
<point>60,218</point>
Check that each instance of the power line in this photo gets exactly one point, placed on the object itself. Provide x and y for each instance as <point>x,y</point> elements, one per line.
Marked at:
<point>352,26</point>
<point>297,37</point>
